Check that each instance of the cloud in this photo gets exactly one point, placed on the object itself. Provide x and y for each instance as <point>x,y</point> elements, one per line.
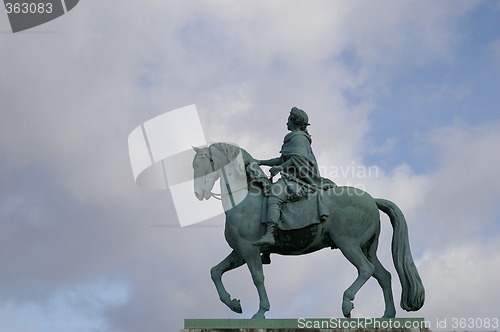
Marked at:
<point>457,275</point>
<point>464,191</point>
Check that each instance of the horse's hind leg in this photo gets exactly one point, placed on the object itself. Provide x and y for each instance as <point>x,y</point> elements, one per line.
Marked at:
<point>365,270</point>
<point>384,279</point>
<point>232,261</point>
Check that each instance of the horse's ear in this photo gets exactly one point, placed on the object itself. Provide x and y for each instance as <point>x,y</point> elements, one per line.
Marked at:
<point>197,149</point>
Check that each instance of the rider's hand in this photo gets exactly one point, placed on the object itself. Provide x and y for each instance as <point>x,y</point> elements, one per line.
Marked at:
<point>275,170</point>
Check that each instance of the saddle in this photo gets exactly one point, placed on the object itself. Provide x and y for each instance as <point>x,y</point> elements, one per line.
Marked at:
<point>301,211</point>
<point>304,212</point>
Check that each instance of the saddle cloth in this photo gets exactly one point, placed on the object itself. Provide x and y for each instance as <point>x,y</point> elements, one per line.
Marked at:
<point>304,212</point>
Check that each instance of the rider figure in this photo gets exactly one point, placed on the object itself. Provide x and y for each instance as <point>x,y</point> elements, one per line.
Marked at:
<point>299,172</point>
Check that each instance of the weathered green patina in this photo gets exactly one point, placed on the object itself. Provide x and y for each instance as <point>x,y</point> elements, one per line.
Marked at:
<point>300,179</point>
<point>347,218</point>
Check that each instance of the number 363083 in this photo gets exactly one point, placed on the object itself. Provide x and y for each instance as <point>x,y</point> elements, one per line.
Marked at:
<point>28,8</point>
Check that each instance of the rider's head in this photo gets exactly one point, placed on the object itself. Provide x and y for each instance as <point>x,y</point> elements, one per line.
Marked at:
<point>299,118</point>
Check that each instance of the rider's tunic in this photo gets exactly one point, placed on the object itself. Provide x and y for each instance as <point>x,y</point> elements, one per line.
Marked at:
<point>301,173</point>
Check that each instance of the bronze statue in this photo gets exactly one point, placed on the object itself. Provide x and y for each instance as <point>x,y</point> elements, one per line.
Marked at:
<point>299,173</point>
<point>307,213</point>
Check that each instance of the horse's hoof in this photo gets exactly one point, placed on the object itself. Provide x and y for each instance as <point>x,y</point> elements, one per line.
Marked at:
<point>235,306</point>
<point>390,314</point>
<point>347,307</point>
<point>259,316</point>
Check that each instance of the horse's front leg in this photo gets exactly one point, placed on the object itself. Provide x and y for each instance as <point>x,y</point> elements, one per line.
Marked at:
<point>251,254</point>
<point>232,261</point>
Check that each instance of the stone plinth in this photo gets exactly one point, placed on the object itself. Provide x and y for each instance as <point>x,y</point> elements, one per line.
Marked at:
<point>308,325</point>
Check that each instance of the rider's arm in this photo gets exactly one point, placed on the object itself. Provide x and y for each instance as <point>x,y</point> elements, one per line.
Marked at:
<point>280,167</point>
<point>270,162</point>
<point>286,164</point>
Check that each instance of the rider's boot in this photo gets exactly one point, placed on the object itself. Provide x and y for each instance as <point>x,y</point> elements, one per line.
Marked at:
<point>273,214</point>
<point>268,238</point>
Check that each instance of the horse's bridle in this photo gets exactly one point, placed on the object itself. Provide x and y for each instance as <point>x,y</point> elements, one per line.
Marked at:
<point>228,187</point>
<point>212,164</point>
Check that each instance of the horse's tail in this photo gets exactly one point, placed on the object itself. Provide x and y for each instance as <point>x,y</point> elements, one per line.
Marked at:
<point>413,293</point>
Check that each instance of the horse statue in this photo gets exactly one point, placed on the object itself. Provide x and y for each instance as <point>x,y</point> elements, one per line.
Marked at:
<point>353,227</point>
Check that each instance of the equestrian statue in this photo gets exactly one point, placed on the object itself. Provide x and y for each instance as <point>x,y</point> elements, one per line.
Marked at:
<point>300,213</point>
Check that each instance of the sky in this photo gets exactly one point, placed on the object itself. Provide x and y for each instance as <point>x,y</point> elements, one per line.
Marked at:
<point>410,89</point>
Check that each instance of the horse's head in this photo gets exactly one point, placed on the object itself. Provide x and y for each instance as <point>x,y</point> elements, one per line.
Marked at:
<point>205,173</point>
<point>210,162</point>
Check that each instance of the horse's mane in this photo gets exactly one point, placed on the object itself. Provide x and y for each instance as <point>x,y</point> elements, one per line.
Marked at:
<point>254,173</point>
<point>231,151</point>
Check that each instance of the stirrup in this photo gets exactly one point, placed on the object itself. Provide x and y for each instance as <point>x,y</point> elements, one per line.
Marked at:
<point>268,238</point>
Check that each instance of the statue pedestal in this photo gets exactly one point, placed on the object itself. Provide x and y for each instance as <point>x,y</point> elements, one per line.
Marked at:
<point>308,325</point>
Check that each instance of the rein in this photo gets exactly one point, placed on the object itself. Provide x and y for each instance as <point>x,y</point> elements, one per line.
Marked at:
<point>216,196</point>
<point>228,187</point>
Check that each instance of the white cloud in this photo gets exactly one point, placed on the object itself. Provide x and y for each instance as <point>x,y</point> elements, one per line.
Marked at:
<point>463,273</point>
<point>463,199</point>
